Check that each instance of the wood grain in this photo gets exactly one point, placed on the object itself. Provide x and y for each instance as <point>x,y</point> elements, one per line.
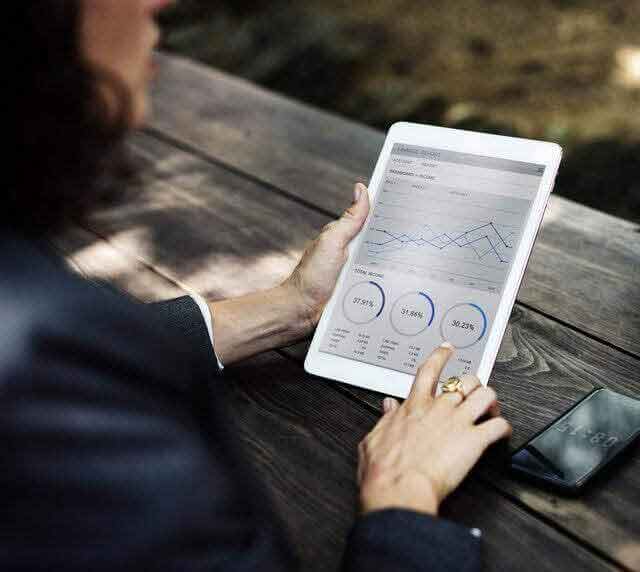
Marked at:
<point>542,367</point>
<point>584,269</point>
<point>302,436</point>
<point>541,370</point>
<point>226,235</point>
<point>303,445</point>
<point>96,259</point>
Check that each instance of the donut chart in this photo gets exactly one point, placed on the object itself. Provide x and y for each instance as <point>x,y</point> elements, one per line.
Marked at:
<point>464,325</point>
<point>412,313</point>
<point>363,302</point>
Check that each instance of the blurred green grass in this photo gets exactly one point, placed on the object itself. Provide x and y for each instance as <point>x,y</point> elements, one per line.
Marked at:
<point>561,70</point>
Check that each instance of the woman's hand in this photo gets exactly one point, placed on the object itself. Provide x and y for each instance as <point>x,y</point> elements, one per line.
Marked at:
<point>314,279</point>
<point>287,313</point>
<point>420,451</point>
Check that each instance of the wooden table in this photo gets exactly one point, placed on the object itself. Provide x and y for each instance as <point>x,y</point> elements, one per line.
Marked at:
<point>236,181</point>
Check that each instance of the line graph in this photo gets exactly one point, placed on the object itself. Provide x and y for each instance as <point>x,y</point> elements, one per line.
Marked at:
<point>469,242</point>
<point>484,240</point>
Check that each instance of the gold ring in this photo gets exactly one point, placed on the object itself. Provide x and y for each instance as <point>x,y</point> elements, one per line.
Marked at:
<point>453,384</point>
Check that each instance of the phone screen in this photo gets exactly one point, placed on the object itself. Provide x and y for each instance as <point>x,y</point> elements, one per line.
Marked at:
<point>589,435</point>
<point>434,258</point>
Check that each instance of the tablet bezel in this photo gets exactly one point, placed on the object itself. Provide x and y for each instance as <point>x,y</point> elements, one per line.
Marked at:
<point>392,382</point>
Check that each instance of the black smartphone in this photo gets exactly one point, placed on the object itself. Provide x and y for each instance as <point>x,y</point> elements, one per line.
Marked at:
<point>577,445</point>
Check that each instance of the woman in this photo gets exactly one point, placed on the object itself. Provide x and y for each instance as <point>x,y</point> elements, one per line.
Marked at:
<point>115,455</point>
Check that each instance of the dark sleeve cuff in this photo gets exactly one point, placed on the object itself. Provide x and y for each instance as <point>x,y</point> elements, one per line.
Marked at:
<point>183,316</point>
<point>407,541</point>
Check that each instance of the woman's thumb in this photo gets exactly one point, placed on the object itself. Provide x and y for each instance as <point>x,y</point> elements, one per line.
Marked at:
<point>353,218</point>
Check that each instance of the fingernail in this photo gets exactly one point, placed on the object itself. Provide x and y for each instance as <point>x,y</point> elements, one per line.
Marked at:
<point>447,346</point>
<point>357,193</point>
<point>387,404</point>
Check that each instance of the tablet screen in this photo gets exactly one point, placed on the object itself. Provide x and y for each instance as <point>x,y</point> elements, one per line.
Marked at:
<point>434,258</point>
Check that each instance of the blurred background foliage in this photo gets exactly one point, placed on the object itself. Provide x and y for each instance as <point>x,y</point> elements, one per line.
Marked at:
<point>562,70</point>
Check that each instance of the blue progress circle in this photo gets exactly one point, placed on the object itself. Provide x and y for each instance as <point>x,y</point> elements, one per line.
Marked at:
<point>433,308</point>
<point>484,319</point>
<point>383,296</point>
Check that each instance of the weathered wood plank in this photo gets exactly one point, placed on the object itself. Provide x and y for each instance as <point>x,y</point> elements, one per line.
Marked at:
<point>302,436</point>
<point>97,259</point>
<point>304,446</point>
<point>226,235</point>
<point>542,366</point>
<point>542,369</point>
<point>585,267</point>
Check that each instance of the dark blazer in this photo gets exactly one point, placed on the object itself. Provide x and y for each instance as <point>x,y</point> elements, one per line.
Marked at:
<point>115,458</point>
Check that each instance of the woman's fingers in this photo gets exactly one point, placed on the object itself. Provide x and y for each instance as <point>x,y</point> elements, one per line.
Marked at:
<point>425,447</point>
<point>469,384</point>
<point>389,404</point>
<point>493,430</point>
<point>494,410</point>
<point>424,385</point>
<point>479,403</point>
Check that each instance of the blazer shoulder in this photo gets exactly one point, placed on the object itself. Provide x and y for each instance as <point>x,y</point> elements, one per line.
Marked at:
<point>48,313</point>
<point>38,292</point>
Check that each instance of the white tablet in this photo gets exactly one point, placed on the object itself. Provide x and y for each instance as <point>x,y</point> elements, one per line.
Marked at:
<point>454,215</point>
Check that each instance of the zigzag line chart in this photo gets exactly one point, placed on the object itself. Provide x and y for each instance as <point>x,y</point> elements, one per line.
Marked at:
<point>470,243</point>
<point>484,240</point>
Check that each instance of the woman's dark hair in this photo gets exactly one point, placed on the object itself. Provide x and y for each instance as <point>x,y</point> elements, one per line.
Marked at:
<point>70,146</point>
